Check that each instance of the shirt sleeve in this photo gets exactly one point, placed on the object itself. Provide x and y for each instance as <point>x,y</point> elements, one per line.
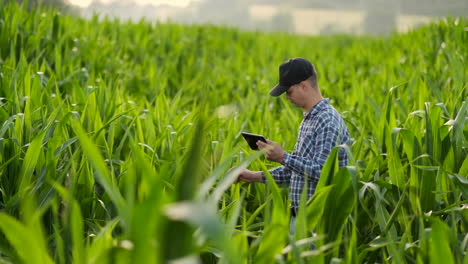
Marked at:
<point>280,174</point>
<point>318,148</point>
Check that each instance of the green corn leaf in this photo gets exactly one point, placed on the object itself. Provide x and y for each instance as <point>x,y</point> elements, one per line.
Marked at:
<point>23,241</point>
<point>102,172</point>
<point>30,161</point>
<point>458,139</point>
<point>440,243</point>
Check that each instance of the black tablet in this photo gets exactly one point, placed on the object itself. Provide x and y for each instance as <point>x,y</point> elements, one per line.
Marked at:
<point>252,139</point>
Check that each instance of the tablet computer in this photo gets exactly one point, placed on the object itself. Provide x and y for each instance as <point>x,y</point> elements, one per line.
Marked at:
<point>252,139</point>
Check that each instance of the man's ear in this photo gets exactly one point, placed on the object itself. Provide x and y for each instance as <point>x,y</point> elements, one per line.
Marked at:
<point>304,85</point>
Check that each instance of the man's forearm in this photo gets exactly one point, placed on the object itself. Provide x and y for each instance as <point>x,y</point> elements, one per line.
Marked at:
<point>258,176</point>
<point>251,176</point>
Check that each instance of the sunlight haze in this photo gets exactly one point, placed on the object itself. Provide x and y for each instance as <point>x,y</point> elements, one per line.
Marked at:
<point>178,3</point>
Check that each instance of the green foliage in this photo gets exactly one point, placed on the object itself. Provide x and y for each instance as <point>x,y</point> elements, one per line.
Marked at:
<point>116,141</point>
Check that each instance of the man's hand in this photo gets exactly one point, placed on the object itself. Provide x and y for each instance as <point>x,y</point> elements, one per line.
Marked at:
<point>275,151</point>
<point>250,176</point>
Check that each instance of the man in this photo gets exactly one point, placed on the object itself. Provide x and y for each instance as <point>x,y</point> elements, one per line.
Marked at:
<point>321,129</point>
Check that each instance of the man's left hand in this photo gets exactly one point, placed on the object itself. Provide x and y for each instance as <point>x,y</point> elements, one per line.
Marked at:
<point>275,151</point>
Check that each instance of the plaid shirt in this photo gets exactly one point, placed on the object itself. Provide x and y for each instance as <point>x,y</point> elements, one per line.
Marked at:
<point>321,129</point>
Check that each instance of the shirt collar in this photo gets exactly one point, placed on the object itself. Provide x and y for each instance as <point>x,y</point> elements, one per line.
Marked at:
<point>317,108</point>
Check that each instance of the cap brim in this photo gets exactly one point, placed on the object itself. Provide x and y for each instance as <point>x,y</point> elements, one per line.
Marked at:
<point>278,90</point>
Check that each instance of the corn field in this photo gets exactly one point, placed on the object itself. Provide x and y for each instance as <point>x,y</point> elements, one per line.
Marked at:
<point>117,140</point>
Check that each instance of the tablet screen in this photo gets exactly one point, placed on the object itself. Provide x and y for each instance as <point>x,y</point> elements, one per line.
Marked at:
<point>252,139</point>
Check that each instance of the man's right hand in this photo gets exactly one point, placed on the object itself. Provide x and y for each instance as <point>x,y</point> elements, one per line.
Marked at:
<point>250,176</point>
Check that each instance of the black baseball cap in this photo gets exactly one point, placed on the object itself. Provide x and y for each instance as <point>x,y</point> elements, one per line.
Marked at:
<point>292,72</point>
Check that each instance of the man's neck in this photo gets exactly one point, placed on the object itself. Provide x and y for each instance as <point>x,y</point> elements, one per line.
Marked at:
<point>311,103</point>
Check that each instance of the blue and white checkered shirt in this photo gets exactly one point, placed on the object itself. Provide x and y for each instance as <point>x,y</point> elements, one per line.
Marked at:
<point>321,129</point>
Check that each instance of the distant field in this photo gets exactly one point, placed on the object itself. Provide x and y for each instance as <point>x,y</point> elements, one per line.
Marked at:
<point>116,139</point>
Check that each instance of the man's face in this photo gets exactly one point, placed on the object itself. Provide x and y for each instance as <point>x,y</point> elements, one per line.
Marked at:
<point>294,94</point>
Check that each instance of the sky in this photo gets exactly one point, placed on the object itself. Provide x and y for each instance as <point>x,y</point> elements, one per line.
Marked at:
<point>370,17</point>
<point>178,3</point>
